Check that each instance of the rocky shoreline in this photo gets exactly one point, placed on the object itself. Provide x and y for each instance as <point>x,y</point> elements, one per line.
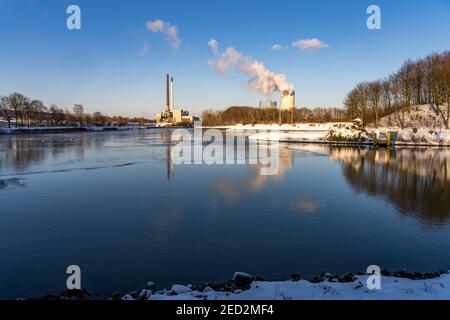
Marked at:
<point>239,283</point>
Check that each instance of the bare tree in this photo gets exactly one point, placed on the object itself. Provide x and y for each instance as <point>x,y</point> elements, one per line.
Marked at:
<point>27,111</point>
<point>37,110</point>
<point>98,118</point>
<point>5,109</point>
<point>17,101</point>
<point>57,116</point>
<point>361,96</point>
<point>446,85</point>
<point>386,94</point>
<point>78,111</point>
<point>374,92</point>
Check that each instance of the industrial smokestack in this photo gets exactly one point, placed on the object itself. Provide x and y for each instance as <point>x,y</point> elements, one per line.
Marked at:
<point>171,94</point>
<point>167,93</point>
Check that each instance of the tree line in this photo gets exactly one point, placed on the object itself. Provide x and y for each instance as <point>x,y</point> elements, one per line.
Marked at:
<point>24,111</point>
<point>419,82</point>
<point>251,115</point>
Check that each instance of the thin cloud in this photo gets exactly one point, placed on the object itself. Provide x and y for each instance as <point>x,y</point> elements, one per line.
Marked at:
<point>169,30</point>
<point>214,46</point>
<point>145,49</point>
<point>278,47</point>
<point>309,45</point>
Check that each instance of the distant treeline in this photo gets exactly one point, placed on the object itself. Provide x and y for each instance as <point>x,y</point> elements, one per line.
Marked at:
<point>250,115</point>
<point>424,81</point>
<point>23,111</point>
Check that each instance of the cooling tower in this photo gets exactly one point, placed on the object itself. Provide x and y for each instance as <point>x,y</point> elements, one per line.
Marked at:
<point>288,100</point>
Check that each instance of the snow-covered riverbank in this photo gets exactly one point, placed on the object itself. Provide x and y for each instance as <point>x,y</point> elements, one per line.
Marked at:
<point>399,285</point>
<point>421,137</point>
<point>317,127</point>
<point>319,133</point>
<point>332,288</point>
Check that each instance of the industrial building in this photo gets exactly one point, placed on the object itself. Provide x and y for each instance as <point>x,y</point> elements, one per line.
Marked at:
<point>268,104</point>
<point>171,116</point>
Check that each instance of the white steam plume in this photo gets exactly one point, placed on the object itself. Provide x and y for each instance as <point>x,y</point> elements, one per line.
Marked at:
<point>261,79</point>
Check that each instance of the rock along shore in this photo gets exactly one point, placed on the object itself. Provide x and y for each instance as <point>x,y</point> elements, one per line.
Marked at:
<point>400,284</point>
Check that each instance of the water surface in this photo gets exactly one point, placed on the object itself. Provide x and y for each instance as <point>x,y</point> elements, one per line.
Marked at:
<point>115,204</point>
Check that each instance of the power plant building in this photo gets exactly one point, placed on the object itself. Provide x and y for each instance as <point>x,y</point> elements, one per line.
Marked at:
<point>171,116</point>
<point>268,104</point>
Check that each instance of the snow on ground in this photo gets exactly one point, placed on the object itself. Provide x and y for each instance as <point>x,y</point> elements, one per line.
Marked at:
<point>299,136</point>
<point>304,132</point>
<point>285,127</point>
<point>421,116</point>
<point>409,136</point>
<point>424,137</point>
<point>418,137</point>
<point>391,289</point>
<point>340,132</point>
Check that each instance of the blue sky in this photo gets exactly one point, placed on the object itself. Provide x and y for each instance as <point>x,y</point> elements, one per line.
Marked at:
<point>105,67</point>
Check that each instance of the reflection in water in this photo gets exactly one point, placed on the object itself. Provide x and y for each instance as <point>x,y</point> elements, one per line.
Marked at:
<point>19,152</point>
<point>306,205</point>
<point>42,153</point>
<point>233,190</point>
<point>415,180</point>
<point>166,138</point>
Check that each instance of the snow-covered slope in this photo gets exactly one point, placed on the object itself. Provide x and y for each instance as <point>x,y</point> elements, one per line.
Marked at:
<point>423,116</point>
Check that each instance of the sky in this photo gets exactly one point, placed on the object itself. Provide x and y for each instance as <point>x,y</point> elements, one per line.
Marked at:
<point>116,63</point>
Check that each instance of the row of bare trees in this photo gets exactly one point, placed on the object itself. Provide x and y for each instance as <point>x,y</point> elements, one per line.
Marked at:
<point>424,81</point>
<point>250,115</point>
<point>23,111</point>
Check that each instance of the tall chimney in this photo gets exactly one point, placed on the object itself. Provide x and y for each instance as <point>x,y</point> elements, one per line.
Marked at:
<point>167,93</point>
<point>171,94</point>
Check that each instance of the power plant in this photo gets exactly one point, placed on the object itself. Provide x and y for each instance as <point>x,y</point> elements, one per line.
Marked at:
<point>172,116</point>
<point>287,102</point>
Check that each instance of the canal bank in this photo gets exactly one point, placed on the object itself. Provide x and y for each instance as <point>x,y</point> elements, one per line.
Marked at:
<point>399,285</point>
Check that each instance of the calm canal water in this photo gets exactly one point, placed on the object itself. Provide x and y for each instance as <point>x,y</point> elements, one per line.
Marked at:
<point>114,204</point>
